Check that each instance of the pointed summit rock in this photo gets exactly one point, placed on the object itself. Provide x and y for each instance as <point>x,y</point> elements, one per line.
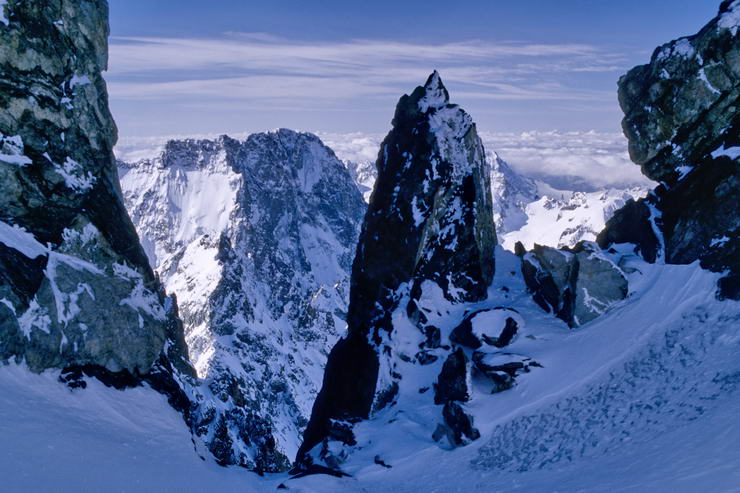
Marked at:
<point>429,227</point>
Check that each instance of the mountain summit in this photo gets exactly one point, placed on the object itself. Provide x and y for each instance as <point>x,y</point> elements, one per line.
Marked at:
<point>428,231</point>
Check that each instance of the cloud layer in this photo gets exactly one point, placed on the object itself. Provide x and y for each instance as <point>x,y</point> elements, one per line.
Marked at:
<point>571,160</point>
<point>270,70</point>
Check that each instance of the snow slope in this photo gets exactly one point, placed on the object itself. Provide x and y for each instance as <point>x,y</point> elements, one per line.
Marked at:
<point>645,398</point>
<point>642,399</point>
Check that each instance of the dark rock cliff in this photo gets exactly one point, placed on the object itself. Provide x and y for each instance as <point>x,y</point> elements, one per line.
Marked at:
<point>683,124</point>
<point>76,291</point>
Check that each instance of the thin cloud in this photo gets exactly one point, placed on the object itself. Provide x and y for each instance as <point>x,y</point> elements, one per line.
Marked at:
<point>255,66</point>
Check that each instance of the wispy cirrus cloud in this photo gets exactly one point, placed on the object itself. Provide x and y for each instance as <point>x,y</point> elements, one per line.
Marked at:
<point>259,67</point>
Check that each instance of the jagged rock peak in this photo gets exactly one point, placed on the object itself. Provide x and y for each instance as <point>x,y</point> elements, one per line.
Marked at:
<point>256,237</point>
<point>429,227</point>
<point>435,93</point>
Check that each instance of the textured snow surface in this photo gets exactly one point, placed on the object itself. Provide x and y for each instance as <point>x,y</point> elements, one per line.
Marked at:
<point>645,398</point>
<point>100,439</point>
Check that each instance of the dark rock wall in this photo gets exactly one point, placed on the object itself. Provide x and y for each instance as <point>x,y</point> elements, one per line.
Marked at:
<point>682,122</point>
<point>429,219</point>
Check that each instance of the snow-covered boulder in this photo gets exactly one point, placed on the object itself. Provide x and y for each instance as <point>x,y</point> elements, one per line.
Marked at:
<point>576,285</point>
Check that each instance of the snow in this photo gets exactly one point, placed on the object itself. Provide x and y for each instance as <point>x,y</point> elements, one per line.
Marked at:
<point>74,178</point>
<point>730,19</point>
<point>492,322</point>
<point>269,308</point>
<point>101,439</point>
<point>11,147</point>
<point>681,47</point>
<point>731,152</point>
<point>78,80</point>
<point>563,218</point>
<point>644,398</point>
<point>3,18</point>
<point>18,238</point>
<point>435,96</point>
<point>35,317</point>
<point>683,171</point>
<point>449,125</point>
<point>703,78</point>
<point>719,241</point>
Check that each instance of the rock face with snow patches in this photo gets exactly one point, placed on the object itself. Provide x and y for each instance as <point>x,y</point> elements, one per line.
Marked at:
<point>683,126</point>
<point>428,229</point>
<point>75,287</point>
<point>577,285</point>
<point>255,238</point>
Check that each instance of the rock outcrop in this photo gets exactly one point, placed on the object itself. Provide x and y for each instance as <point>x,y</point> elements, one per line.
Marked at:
<point>256,240</point>
<point>577,285</point>
<point>428,228</point>
<point>76,290</point>
<point>683,125</point>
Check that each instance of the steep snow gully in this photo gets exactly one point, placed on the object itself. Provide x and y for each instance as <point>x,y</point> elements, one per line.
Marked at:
<point>462,360</point>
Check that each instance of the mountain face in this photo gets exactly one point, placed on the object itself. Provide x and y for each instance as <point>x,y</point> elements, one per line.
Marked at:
<point>256,240</point>
<point>76,292</point>
<point>683,127</point>
<point>428,232</point>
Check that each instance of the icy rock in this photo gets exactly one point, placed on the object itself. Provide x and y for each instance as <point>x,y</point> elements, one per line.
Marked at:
<point>458,425</point>
<point>632,224</point>
<point>681,119</point>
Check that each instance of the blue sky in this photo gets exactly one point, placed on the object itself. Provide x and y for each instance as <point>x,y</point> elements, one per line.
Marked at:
<point>181,67</point>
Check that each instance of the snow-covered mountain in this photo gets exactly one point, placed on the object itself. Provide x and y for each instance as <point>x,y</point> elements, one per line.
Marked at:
<point>255,238</point>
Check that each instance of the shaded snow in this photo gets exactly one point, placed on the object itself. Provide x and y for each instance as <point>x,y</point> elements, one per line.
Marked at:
<point>731,152</point>
<point>18,238</point>
<point>11,147</point>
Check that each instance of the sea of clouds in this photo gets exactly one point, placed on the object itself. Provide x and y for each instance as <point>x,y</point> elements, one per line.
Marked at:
<point>585,160</point>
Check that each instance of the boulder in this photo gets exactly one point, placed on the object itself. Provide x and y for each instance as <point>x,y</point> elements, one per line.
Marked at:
<point>576,285</point>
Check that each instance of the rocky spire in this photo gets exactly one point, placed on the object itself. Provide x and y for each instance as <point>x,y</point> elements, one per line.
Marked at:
<point>429,223</point>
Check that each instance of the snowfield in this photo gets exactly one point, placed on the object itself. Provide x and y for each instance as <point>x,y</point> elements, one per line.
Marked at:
<point>644,398</point>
